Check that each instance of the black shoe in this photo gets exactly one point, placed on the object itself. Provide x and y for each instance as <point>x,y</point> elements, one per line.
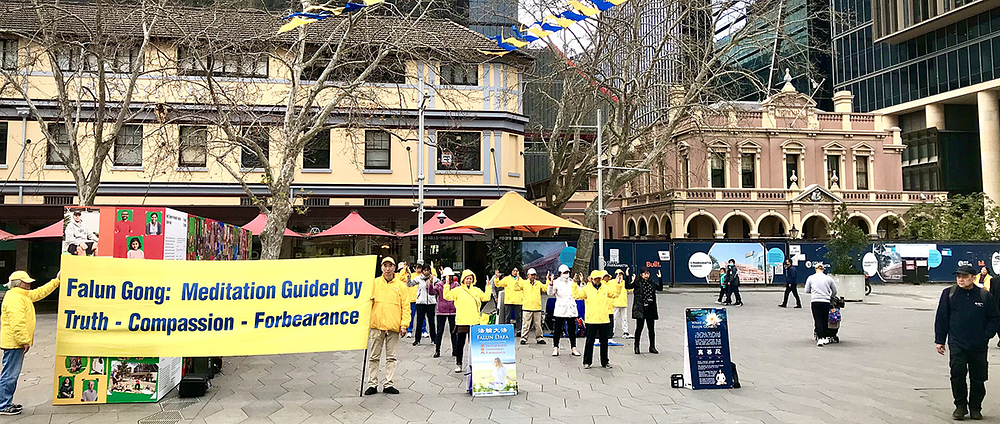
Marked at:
<point>10,410</point>
<point>437,354</point>
<point>416,343</point>
<point>739,303</point>
<point>959,413</point>
<point>371,391</point>
<point>782,305</point>
<point>18,406</point>
<point>524,342</point>
<point>607,366</point>
<point>389,390</point>
<point>586,366</point>
<point>541,342</point>
<point>976,414</point>
<point>637,349</point>
<point>653,350</point>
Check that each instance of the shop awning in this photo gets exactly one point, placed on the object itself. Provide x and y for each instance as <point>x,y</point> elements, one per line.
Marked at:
<point>52,231</point>
<point>513,212</point>
<point>434,225</point>
<point>258,223</point>
<point>354,225</point>
<point>5,235</point>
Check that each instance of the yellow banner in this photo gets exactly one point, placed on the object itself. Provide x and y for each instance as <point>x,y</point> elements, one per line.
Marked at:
<point>127,307</point>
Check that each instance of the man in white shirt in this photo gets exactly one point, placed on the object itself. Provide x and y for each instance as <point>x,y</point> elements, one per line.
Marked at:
<point>81,240</point>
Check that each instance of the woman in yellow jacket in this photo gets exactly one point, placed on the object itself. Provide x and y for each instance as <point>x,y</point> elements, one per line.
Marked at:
<point>620,310</point>
<point>468,303</point>
<point>598,301</point>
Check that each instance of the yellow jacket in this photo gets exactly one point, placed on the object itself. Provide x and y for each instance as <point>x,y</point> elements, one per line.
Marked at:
<point>390,310</point>
<point>622,300</point>
<point>17,315</point>
<point>468,300</point>
<point>531,294</point>
<point>984,281</point>
<point>512,296</point>
<point>598,301</point>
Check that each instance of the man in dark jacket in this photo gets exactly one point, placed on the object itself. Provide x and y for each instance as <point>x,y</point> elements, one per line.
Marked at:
<point>733,283</point>
<point>967,317</point>
<point>791,284</point>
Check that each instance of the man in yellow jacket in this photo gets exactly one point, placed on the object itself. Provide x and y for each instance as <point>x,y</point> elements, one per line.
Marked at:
<point>531,303</point>
<point>390,316</point>
<point>511,298</point>
<point>598,301</point>
<point>468,301</point>
<point>17,333</point>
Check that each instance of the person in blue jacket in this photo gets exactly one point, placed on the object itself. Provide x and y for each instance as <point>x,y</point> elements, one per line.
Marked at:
<point>791,284</point>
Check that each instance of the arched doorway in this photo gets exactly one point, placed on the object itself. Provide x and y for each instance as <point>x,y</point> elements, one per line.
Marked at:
<point>888,227</point>
<point>737,227</point>
<point>771,226</point>
<point>643,229</point>
<point>654,226</point>
<point>701,227</point>
<point>668,228</point>
<point>860,223</point>
<point>631,228</point>
<point>816,227</point>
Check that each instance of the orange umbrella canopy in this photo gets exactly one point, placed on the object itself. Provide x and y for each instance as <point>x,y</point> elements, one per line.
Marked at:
<point>513,212</point>
<point>5,235</point>
<point>258,223</point>
<point>354,225</point>
<point>52,231</point>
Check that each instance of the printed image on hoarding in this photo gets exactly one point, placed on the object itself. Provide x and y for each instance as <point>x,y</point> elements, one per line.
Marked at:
<point>132,379</point>
<point>545,256</point>
<point>749,258</point>
<point>494,369</point>
<point>80,231</point>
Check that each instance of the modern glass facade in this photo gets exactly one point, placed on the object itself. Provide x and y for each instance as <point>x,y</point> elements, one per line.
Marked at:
<point>880,74</point>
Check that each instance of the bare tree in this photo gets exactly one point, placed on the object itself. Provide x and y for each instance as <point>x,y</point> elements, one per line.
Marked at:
<point>98,57</point>
<point>654,68</point>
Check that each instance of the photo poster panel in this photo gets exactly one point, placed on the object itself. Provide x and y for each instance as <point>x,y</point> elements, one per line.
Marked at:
<point>175,235</point>
<point>169,375</point>
<point>98,221</point>
<point>80,380</point>
<point>138,232</point>
<point>211,240</point>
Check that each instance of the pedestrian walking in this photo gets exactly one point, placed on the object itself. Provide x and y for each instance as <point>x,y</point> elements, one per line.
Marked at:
<point>733,283</point>
<point>511,298</point>
<point>723,287</point>
<point>598,300</point>
<point>389,320</point>
<point>531,302</point>
<point>445,309</point>
<point>564,311</point>
<point>468,304</point>
<point>17,334</point>
<point>620,315</point>
<point>823,289</point>
<point>791,285</point>
<point>426,303</point>
<point>967,317</point>
<point>644,309</point>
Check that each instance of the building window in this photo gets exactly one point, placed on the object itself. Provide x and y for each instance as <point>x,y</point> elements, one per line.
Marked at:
<point>445,203</point>
<point>377,149</point>
<point>8,54</point>
<point>57,200</point>
<point>128,146</point>
<point>193,147</point>
<point>225,64</point>
<point>791,168</point>
<point>71,59</point>
<point>392,70</point>
<point>862,171</point>
<point>376,202</point>
<point>460,74</point>
<point>832,169</point>
<point>125,58</point>
<point>316,154</point>
<point>255,136</point>
<point>718,170</point>
<point>316,201</point>
<point>476,203</point>
<point>459,151</point>
<point>58,144</point>
<point>3,144</point>
<point>748,170</point>
<point>686,171</point>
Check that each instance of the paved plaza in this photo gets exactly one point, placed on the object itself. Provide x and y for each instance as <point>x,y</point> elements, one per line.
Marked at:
<point>885,370</point>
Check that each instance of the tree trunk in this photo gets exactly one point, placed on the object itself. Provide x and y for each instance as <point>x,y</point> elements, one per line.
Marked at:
<point>585,244</point>
<point>87,192</point>
<point>274,231</point>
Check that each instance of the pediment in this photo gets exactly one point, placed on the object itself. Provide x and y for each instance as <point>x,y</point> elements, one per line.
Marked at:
<point>816,194</point>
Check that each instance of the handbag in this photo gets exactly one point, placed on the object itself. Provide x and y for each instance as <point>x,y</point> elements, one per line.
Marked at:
<point>834,316</point>
<point>837,302</point>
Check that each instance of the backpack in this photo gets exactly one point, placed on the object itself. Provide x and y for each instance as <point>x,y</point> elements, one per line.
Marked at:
<point>954,288</point>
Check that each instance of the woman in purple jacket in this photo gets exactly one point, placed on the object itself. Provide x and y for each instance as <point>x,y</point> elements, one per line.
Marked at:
<point>445,309</point>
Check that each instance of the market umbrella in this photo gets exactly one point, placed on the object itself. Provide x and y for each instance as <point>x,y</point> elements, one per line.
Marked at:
<point>354,225</point>
<point>434,225</point>
<point>52,231</point>
<point>258,223</point>
<point>513,212</point>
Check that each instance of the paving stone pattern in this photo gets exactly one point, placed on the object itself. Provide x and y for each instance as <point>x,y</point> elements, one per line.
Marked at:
<point>885,370</point>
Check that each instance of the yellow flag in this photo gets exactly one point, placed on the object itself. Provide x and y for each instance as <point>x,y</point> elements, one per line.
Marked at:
<point>584,10</point>
<point>295,23</point>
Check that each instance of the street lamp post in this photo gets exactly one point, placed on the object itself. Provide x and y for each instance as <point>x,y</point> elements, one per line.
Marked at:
<point>420,169</point>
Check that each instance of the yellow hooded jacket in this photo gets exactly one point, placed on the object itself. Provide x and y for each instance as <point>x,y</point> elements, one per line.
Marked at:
<point>598,301</point>
<point>390,308</point>
<point>531,294</point>
<point>622,300</point>
<point>468,300</point>
<point>17,313</point>
<point>512,296</point>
